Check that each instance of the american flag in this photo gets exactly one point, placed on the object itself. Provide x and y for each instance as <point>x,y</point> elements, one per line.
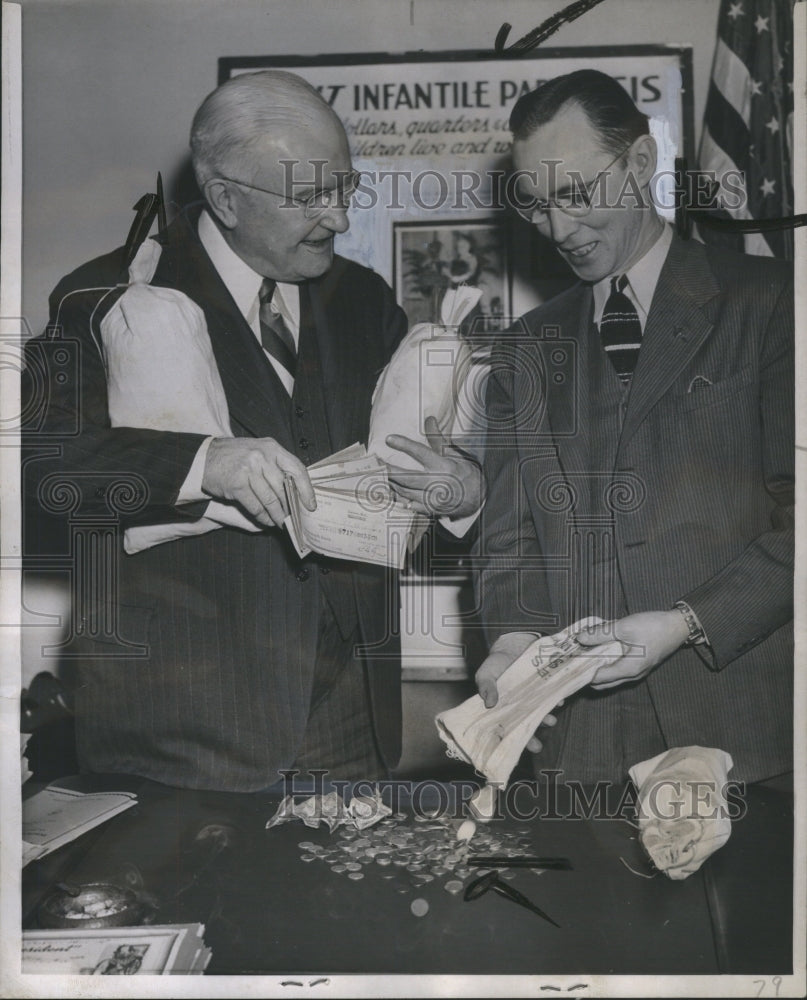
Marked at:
<point>748,122</point>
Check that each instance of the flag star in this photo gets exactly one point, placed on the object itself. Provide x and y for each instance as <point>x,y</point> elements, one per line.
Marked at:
<point>767,187</point>
<point>756,87</point>
<point>736,10</point>
<point>773,125</point>
<point>761,24</point>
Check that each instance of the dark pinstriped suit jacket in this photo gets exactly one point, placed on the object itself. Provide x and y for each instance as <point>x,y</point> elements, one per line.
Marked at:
<point>686,492</point>
<point>229,621</point>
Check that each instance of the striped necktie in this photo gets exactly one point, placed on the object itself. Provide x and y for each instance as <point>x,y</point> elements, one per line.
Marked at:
<point>276,337</point>
<point>621,330</point>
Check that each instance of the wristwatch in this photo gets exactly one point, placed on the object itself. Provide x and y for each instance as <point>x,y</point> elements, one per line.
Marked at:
<point>696,634</point>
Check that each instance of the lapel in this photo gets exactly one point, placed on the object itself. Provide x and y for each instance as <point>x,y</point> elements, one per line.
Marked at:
<point>676,328</point>
<point>552,435</point>
<point>256,398</point>
<point>567,403</point>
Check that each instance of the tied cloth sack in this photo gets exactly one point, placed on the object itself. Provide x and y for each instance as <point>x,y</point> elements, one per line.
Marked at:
<point>424,378</point>
<point>683,814</point>
<point>162,375</point>
<point>549,670</point>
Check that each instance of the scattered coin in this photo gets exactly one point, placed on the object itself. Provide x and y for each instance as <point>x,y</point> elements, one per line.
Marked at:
<point>419,907</point>
<point>306,857</point>
<point>355,875</point>
<point>466,830</point>
<point>453,886</point>
<point>338,868</point>
<point>352,866</point>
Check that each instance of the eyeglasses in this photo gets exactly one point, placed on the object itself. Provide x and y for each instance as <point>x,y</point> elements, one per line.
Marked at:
<point>318,202</point>
<point>576,202</point>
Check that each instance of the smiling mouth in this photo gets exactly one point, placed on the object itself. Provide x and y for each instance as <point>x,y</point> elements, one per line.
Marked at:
<point>577,253</point>
<point>322,244</point>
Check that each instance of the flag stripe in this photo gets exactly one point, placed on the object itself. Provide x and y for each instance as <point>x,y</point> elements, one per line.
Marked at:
<point>727,128</point>
<point>717,159</point>
<point>731,77</point>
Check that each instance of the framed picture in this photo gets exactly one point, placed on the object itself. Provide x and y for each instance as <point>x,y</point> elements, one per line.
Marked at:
<point>430,258</point>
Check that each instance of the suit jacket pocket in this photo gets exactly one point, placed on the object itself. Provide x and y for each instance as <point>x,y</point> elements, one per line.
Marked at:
<point>702,395</point>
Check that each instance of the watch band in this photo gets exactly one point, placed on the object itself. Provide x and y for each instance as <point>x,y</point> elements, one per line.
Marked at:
<point>696,633</point>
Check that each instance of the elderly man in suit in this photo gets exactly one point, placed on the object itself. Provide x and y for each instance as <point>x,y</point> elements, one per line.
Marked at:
<point>255,661</point>
<point>640,459</point>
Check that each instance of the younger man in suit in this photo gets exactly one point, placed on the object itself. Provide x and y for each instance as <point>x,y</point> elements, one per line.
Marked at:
<point>653,485</point>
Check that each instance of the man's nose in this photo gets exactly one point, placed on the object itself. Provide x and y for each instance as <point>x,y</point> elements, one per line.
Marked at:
<point>559,224</point>
<point>335,219</point>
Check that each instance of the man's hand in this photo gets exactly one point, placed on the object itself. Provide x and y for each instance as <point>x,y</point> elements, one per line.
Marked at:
<point>251,471</point>
<point>450,485</point>
<point>505,651</point>
<point>648,638</point>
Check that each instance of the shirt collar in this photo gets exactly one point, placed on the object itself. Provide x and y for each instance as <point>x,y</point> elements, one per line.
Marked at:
<point>242,282</point>
<point>642,279</point>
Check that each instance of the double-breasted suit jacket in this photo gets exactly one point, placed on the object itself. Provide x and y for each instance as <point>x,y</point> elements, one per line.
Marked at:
<point>607,503</point>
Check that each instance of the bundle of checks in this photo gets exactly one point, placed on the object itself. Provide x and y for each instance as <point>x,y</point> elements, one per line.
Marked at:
<point>357,516</point>
<point>492,739</point>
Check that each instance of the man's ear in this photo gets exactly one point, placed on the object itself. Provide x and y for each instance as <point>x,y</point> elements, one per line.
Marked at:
<point>643,159</point>
<point>221,197</point>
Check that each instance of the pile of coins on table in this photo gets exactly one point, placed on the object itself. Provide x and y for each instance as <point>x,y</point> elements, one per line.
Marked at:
<point>411,853</point>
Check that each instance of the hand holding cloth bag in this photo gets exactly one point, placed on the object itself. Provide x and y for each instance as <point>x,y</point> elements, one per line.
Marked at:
<point>162,375</point>
<point>424,377</point>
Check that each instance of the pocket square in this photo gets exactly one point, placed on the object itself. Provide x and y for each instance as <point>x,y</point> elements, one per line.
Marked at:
<point>699,382</point>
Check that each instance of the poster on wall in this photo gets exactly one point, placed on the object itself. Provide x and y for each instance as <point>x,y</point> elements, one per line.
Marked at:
<point>429,133</point>
<point>430,258</point>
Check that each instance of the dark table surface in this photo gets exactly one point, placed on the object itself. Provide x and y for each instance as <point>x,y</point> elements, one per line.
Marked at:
<point>266,911</point>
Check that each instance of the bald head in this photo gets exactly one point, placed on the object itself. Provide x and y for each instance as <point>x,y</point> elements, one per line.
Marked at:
<point>249,112</point>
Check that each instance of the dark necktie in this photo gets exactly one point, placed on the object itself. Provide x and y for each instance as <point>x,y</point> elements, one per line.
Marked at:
<point>620,330</point>
<point>276,337</point>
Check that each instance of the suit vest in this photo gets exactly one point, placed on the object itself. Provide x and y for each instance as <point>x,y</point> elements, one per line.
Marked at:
<point>312,442</point>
